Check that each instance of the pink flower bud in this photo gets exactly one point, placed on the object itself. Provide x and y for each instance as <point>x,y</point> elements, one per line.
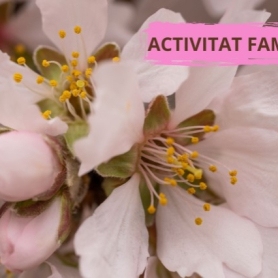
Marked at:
<point>28,166</point>
<point>26,242</point>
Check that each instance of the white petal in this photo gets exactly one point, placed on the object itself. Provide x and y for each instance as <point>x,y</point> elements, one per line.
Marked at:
<point>154,79</point>
<point>251,101</point>
<point>26,26</point>
<point>117,121</point>
<point>223,237</point>
<point>114,241</point>
<point>90,15</point>
<point>24,115</point>
<point>252,152</point>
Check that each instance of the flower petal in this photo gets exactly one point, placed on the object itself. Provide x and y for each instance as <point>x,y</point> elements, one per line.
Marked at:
<point>117,121</point>
<point>90,15</point>
<point>223,237</point>
<point>251,101</point>
<point>120,219</point>
<point>252,152</point>
<point>154,80</point>
<point>25,116</point>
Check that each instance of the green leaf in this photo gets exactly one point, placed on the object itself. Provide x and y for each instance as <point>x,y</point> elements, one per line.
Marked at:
<point>205,117</point>
<point>76,130</point>
<point>107,52</point>
<point>121,166</point>
<point>49,54</point>
<point>109,184</point>
<point>158,116</point>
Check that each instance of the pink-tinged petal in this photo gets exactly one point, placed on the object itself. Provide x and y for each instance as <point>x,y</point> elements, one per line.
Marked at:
<point>114,241</point>
<point>24,115</point>
<point>28,166</point>
<point>90,15</point>
<point>26,26</point>
<point>252,152</point>
<point>270,255</point>
<point>154,80</point>
<point>31,90</point>
<point>33,239</point>
<point>117,119</point>
<point>223,238</point>
<point>252,101</point>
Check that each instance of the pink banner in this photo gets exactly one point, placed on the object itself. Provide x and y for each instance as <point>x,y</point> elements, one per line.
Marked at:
<point>219,44</point>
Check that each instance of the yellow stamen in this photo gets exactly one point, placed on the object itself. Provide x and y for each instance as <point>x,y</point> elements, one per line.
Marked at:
<point>77,29</point>
<point>64,68</point>
<point>45,63</point>
<point>206,207</point>
<point>162,199</point>
<point>40,79</point>
<point>21,61</point>
<point>179,171</point>
<point>207,128</point>
<point>88,72</point>
<point>172,182</point>
<point>171,159</point>
<point>191,190</point>
<point>91,59</point>
<point>184,165</point>
<point>170,151</point>
<point>194,154</point>
<point>65,96</point>
<point>62,34</point>
<point>151,209</point>
<point>80,83</point>
<point>116,59</point>
<point>18,77</point>
<point>19,49</point>
<point>190,178</point>
<point>74,63</point>
<point>75,54</point>
<point>233,173</point>
<point>233,180</point>
<point>215,128</point>
<point>213,168</point>
<point>69,78</point>
<point>198,221</point>
<point>203,186</point>
<point>75,92</point>
<point>170,141</point>
<point>46,114</point>
<point>53,83</point>
<point>183,158</point>
<point>76,73</point>
<point>194,140</point>
<point>83,94</point>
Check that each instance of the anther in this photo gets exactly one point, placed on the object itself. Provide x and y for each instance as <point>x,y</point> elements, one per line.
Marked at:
<point>194,140</point>
<point>40,79</point>
<point>21,61</point>
<point>88,72</point>
<point>17,77</point>
<point>170,141</point>
<point>170,159</point>
<point>46,114</point>
<point>19,49</point>
<point>206,207</point>
<point>76,73</point>
<point>183,158</point>
<point>62,34</point>
<point>116,59</point>
<point>233,173</point>
<point>213,168</point>
<point>191,190</point>
<point>74,63</point>
<point>53,83</point>
<point>45,63</point>
<point>179,171</point>
<point>151,209</point>
<point>75,54</point>
<point>77,29</point>
<point>233,180</point>
<point>162,199</point>
<point>203,186</point>
<point>83,94</point>
<point>207,128</point>
<point>190,178</point>
<point>198,221</point>
<point>64,68</point>
<point>215,128</point>
<point>91,59</point>
<point>170,151</point>
<point>194,154</point>
<point>75,92</point>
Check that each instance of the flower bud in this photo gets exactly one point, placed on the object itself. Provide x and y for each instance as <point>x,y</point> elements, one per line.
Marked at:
<point>28,166</point>
<point>26,242</point>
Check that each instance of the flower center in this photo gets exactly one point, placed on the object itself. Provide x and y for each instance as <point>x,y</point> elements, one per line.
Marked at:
<point>166,160</point>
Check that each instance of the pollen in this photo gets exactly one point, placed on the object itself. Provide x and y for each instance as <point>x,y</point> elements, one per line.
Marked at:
<point>198,221</point>
<point>75,54</point>
<point>206,207</point>
<point>40,79</point>
<point>215,128</point>
<point>183,158</point>
<point>91,59</point>
<point>74,63</point>
<point>17,77</point>
<point>162,199</point>
<point>203,186</point>
<point>190,178</point>
<point>179,171</point>
<point>88,72</point>
<point>64,68</point>
<point>194,154</point>
<point>191,190</point>
<point>170,151</point>
<point>170,141</point>
<point>194,140</point>
<point>46,114</point>
<point>83,94</point>
<point>172,182</point>
<point>53,83</point>
<point>62,34</point>
<point>170,159</point>
<point>213,168</point>
<point>80,83</point>
<point>116,59</point>
<point>65,96</point>
<point>151,210</point>
<point>233,173</point>
<point>75,92</point>
<point>207,128</point>
<point>76,73</point>
<point>77,29</point>
<point>45,63</point>
<point>21,61</point>
<point>233,180</point>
